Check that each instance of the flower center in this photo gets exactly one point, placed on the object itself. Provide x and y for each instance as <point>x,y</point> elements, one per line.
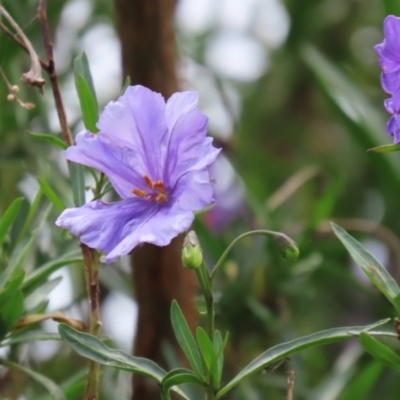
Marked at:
<point>156,192</point>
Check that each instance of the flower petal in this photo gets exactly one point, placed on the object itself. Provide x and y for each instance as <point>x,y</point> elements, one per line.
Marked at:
<point>112,160</point>
<point>193,191</point>
<point>137,120</point>
<point>188,130</point>
<point>393,128</point>
<point>117,228</point>
<point>158,229</point>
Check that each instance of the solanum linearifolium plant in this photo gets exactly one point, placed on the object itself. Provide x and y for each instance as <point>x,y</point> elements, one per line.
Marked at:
<point>156,155</point>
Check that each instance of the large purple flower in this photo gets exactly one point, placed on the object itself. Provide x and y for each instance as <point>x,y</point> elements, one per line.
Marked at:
<point>156,156</point>
<point>389,60</point>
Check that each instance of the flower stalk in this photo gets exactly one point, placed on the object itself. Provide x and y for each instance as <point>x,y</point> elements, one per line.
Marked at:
<point>91,264</point>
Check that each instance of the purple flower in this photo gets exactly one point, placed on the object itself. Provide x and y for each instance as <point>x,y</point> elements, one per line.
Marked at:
<point>156,155</point>
<point>389,60</point>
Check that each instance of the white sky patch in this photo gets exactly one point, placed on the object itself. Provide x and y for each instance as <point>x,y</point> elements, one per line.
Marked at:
<point>236,56</point>
<point>195,17</point>
<point>271,23</point>
<point>119,315</point>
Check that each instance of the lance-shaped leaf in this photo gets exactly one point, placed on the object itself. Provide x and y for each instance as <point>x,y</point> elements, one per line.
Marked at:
<point>44,137</point>
<point>77,172</point>
<point>185,338</point>
<point>379,351</point>
<point>47,383</point>
<point>386,148</point>
<point>92,348</point>
<point>376,273</point>
<point>51,194</point>
<point>86,93</point>
<point>9,217</point>
<point>176,377</point>
<point>283,350</point>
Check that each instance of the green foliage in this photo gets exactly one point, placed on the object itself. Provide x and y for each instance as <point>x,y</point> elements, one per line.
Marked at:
<point>283,350</point>
<point>87,95</point>
<point>54,140</point>
<point>379,351</point>
<point>370,265</point>
<point>185,338</point>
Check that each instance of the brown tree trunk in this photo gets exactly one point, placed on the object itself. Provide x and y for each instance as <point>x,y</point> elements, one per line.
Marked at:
<point>147,36</point>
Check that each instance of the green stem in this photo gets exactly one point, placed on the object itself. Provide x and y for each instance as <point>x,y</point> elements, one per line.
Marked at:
<point>205,281</point>
<point>276,235</point>
<point>91,264</point>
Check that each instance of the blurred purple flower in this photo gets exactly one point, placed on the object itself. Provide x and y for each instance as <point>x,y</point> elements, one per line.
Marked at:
<point>389,60</point>
<point>229,192</point>
<point>156,156</point>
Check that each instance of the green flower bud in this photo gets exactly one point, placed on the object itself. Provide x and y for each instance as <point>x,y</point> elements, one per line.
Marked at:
<point>192,255</point>
<point>287,247</point>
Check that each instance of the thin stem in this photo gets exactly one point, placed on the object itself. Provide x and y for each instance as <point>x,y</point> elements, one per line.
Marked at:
<point>91,263</point>
<point>33,77</point>
<point>90,256</point>
<point>276,235</point>
<point>66,133</point>
<point>20,43</point>
<point>290,390</point>
<point>205,281</point>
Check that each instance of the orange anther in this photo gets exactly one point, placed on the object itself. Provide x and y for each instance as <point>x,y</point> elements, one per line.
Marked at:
<point>161,197</point>
<point>158,185</point>
<point>148,181</point>
<point>139,192</point>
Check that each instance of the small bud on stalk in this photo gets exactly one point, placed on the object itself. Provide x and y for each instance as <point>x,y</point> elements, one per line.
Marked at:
<point>287,247</point>
<point>10,97</point>
<point>192,256</point>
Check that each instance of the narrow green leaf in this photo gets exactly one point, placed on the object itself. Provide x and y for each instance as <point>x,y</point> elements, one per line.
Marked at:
<point>42,272</point>
<point>379,351</point>
<point>32,213</point>
<point>86,93</point>
<point>77,172</point>
<point>206,347</point>
<point>185,338</point>
<point>29,336</point>
<point>283,350</point>
<point>10,311</point>
<point>47,383</point>
<point>8,218</point>
<point>92,348</point>
<point>11,286</point>
<point>88,104</point>
<point>376,273</point>
<point>386,148</point>
<point>73,387</point>
<point>22,250</point>
<point>54,140</point>
<point>82,68</point>
<point>218,363</point>
<point>178,377</point>
<point>362,384</point>
<point>51,194</point>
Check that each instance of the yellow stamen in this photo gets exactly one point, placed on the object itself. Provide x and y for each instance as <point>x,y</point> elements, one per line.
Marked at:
<point>139,192</point>
<point>158,185</point>
<point>148,181</point>
<point>161,197</point>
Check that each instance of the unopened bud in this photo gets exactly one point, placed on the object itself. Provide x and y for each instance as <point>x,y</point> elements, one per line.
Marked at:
<point>10,97</point>
<point>192,256</point>
<point>15,89</point>
<point>287,247</point>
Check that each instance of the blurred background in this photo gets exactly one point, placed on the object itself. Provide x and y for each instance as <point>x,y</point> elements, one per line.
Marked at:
<point>293,96</point>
